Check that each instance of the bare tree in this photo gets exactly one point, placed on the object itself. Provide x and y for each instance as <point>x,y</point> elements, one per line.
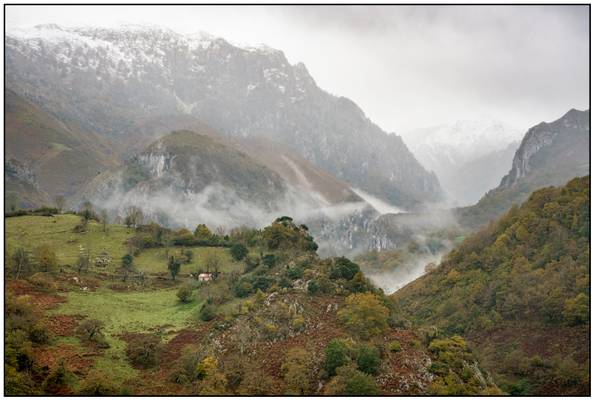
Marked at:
<point>11,202</point>
<point>220,230</point>
<point>60,202</point>
<point>213,263</point>
<point>21,261</point>
<point>133,216</point>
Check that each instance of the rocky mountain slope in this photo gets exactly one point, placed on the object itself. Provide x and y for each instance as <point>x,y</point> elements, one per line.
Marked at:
<point>469,157</point>
<point>558,149</point>
<point>550,154</point>
<point>519,290</point>
<point>108,79</point>
<point>62,157</point>
<point>187,178</point>
<point>21,187</point>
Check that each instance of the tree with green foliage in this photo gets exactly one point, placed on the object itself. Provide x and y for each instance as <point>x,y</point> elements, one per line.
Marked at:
<point>238,251</point>
<point>127,266</point>
<point>173,265</point>
<point>283,234</point>
<point>203,233</point>
<point>364,315</point>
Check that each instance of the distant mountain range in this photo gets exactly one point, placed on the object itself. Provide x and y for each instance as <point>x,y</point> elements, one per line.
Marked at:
<point>90,111</point>
<point>109,81</point>
<point>468,157</point>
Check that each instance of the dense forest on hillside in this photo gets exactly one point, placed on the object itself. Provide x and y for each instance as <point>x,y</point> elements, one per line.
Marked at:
<point>520,290</point>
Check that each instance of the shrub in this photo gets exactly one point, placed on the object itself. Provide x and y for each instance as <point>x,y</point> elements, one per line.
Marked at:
<point>243,288</point>
<point>188,256</point>
<point>394,347</point>
<point>39,334</point>
<point>285,283</point>
<point>58,380</point>
<point>269,260</point>
<point>343,268</point>
<point>143,350</point>
<point>368,359</point>
<point>184,294</point>
<point>295,273</point>
<point>298,323</point>
<point>312,287</point>
<point>92,330</point>
<point>262,283</point>
<point>359,284</point>
<point>251,263</point>
<point>364,315</point>
<point>96,383</point>
<point>43,282</point>
<point>207,312</point>
<point>194,365</point>
<point>337,355</point>
<point>238,251</point>
<point>325,285</point>
<point>144,241</point>
<point>351,382</point>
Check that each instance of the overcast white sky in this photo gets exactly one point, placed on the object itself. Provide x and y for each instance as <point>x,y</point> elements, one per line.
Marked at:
<point>406,67</point>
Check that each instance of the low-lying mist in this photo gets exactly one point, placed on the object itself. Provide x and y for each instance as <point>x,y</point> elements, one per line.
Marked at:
<point>220,206</point>
<point>391,281</point>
